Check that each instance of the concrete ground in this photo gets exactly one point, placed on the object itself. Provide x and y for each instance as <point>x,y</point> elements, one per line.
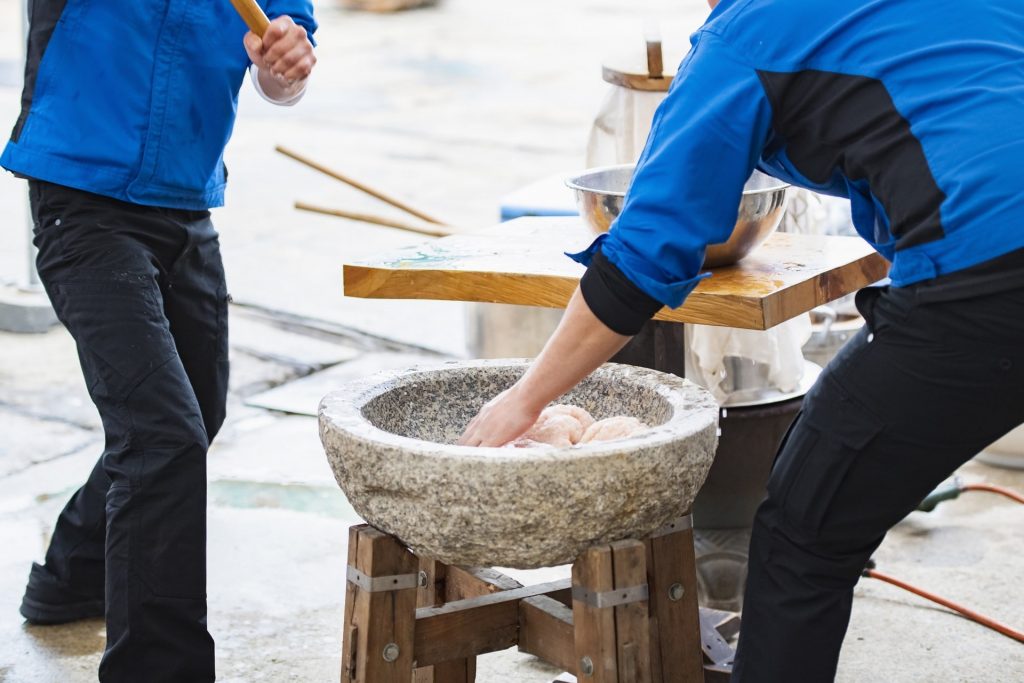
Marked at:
<point>450,108</point>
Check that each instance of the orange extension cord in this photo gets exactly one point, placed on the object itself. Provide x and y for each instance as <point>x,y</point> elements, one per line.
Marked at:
<point>992,488</point>
<point>970,614</point>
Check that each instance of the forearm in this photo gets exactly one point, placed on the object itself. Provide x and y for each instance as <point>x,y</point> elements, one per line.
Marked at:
<point>578,347</point>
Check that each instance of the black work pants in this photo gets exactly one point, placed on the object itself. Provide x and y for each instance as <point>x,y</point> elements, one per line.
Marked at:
<point>142,291</point>
<point>920,390</point>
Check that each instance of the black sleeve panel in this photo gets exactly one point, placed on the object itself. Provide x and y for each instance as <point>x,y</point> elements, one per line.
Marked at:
<point>840,122</point>
<point>618,303</point>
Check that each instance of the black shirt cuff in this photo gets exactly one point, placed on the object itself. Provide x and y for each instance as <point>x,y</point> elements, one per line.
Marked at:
<point>618,303</point>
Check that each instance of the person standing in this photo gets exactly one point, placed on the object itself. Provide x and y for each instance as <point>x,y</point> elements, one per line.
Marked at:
<point>911,110</point>
<point>126,111</point>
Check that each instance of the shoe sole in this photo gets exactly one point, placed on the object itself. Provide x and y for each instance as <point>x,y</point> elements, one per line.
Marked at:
<point>43,614</point>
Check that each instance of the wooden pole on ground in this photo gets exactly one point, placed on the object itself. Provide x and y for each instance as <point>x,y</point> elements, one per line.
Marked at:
<point>351,182</point>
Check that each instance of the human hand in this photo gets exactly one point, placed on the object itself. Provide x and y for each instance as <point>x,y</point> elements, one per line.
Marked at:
<point>284,52</point>
<point>504,418</point>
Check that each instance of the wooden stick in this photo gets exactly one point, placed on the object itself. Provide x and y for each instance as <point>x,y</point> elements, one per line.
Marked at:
<point>358,185</point>
<point>253,16</point>
<point>475,626</point>
<point>546,631</point>
<point>655,55</point>
<point>375,220</point>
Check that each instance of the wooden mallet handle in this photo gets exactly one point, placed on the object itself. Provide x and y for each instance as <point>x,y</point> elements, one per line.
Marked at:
<point>253,16</point>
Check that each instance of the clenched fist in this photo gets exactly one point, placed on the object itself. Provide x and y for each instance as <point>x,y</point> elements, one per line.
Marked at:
<point>283,53</point>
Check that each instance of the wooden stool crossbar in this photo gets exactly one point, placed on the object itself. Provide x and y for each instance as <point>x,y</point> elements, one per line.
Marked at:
<point>629,614</point>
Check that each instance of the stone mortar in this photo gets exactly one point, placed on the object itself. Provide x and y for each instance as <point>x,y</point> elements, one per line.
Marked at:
<point>390,440</point>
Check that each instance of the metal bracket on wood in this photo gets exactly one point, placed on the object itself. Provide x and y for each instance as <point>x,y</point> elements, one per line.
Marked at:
<point>379,584</point>
<point>681,524</point>
<point>614,598</point>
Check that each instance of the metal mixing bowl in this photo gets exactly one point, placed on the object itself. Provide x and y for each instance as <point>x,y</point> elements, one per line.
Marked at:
<point>601,192</point>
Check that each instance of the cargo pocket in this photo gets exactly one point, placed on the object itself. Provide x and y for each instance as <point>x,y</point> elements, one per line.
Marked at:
<point>865,300</point>
<point>116,317</point>
<point>831,434</point>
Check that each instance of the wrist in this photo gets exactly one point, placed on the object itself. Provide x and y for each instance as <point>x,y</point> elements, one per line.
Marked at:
<point>277,90</point>
<point>528,396</point>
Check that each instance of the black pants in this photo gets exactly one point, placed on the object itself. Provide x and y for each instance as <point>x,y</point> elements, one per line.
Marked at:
<point>922,389</point>
<point>142,291</point>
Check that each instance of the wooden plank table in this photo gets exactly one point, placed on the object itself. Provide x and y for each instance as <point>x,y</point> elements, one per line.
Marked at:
<point>523,262</point>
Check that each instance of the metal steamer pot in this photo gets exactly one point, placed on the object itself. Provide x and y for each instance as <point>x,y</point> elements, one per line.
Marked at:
<point>830,332</point>
<point>724,509</point>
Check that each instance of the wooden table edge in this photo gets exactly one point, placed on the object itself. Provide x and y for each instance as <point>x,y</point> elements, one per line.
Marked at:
<point>750,312</point>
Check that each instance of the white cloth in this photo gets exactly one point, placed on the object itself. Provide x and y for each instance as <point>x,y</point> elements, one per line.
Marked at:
<point>780,348</point>
<point>621,128</point>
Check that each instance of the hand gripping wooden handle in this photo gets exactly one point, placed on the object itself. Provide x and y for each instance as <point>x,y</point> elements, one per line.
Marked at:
<point>253,16</point>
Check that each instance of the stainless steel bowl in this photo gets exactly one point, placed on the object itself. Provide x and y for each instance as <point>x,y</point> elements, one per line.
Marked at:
<point>601,192</point>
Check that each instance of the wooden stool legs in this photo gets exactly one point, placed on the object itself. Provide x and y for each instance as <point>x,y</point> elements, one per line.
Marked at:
<point>610,614</point>
<point>435,590</point>
<point>380,609</point>
<point>634,615</point>
<point>657,638</point>
<point>675,623</point>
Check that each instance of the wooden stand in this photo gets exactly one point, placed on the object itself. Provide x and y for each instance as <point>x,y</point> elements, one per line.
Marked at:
<point>629,613</point>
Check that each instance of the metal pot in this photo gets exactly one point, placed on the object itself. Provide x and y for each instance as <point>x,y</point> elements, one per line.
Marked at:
<point>723,512</point>
<point>746,383</point>
<point>829,332</point>
<point>601,193</point>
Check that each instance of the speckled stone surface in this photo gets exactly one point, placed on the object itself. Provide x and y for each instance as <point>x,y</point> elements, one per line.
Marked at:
<point>390,439</point>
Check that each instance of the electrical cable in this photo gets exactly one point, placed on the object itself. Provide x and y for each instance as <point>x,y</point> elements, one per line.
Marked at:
<point>970,614</point>
<point>992,488</point>
<point>952,489</point>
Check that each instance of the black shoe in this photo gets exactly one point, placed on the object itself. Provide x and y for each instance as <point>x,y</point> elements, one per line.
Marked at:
<point>49,601</point>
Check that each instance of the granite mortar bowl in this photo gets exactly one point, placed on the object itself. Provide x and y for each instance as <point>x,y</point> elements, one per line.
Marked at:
<point>390,441</point>
<point>601,194</point>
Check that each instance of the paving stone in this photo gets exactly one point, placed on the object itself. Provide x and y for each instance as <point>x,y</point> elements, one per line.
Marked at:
<point>40,375</point>
<point>302,396</point>
<point>29,441</point>
<point>260,338</point>
<point>276,450</point>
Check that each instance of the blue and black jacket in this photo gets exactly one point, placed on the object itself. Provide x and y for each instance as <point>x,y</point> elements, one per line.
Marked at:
<point>134,100</point>
<point>913,109</point>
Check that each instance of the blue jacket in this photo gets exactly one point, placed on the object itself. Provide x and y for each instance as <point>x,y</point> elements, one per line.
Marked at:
<point>910,108</point>
<point>134,100</point>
